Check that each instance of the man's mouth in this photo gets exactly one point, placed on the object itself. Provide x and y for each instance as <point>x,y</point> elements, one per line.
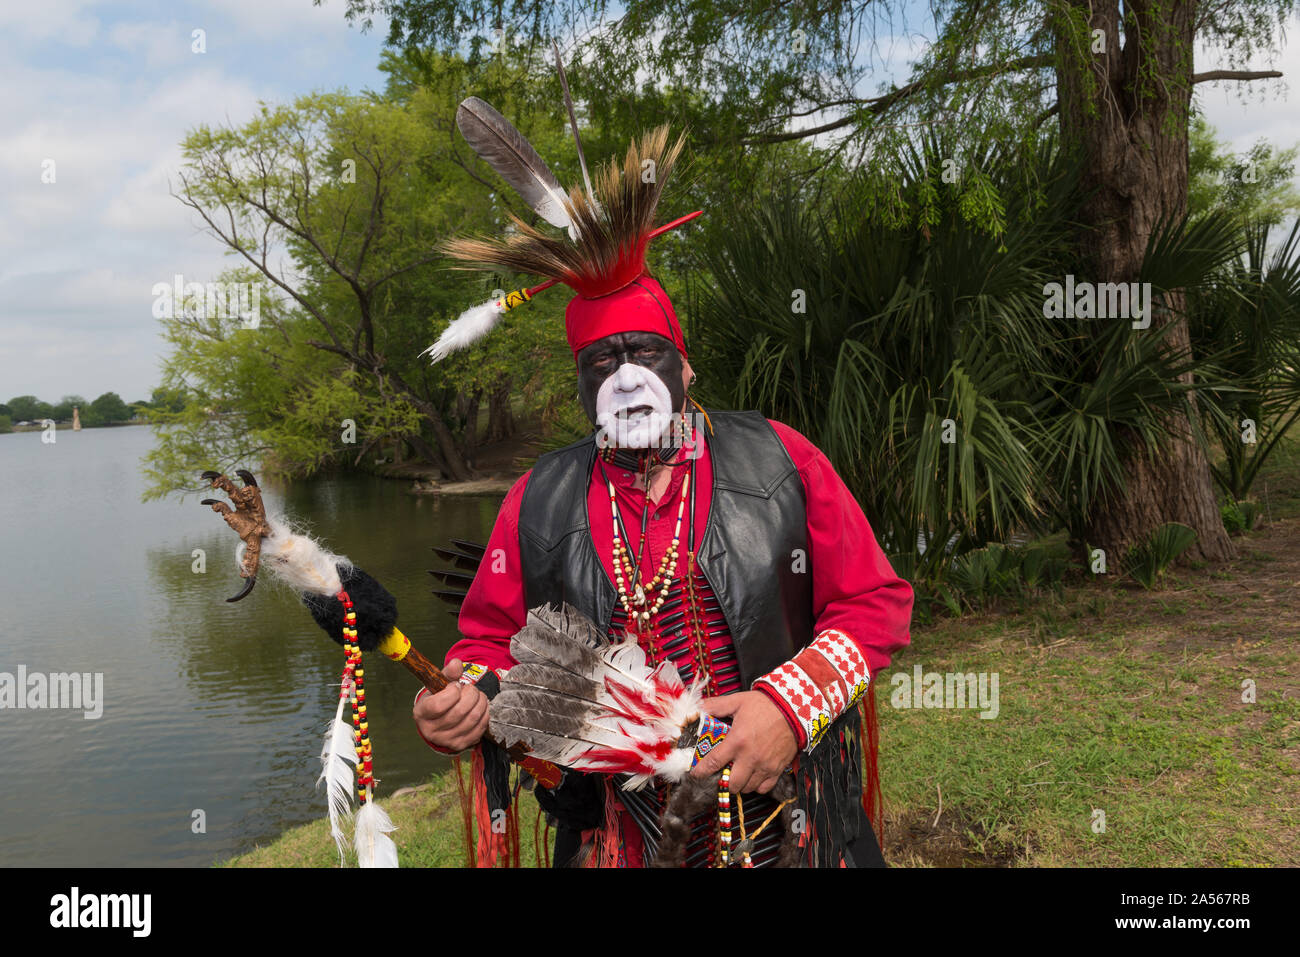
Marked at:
<point>636,410</point>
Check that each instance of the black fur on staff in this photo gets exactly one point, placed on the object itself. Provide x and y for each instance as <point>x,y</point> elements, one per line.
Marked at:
<point>376,609</point>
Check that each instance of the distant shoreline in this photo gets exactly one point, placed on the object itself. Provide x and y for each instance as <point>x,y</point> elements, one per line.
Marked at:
<point>67,427</point>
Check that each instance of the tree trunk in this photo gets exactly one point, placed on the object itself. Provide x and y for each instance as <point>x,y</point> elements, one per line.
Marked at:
<point>469,412</point>
<point>427,452</point>
<point>501,422</point>
<point>1134,147</point>
<point>453,462</point>
<point>456,464</point>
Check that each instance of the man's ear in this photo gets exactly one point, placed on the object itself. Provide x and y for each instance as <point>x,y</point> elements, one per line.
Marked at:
<point>688,376</point>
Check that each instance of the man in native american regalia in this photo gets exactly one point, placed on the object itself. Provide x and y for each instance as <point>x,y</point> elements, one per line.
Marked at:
<point>723,542</point>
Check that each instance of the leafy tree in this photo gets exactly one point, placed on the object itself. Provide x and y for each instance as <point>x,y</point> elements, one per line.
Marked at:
<point>264,395</point>
<point>343,183</point>
<point>922,360</point>
<point>1250,321</point>
<point>1117,78</point>
<point>1257,188</point>
<point>6,423</point>
<point>28,408</point>
<point>108,409</point>
<point>63,411</point>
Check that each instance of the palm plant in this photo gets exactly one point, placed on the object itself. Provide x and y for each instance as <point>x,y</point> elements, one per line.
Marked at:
<point>909,359</point>
<point>1250,320</point>
<point>924,363</point>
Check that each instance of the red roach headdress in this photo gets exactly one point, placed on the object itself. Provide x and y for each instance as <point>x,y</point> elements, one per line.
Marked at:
<point>603,256</point>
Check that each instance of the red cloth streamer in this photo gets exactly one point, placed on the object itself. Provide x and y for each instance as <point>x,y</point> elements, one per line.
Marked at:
<point>873,801</point>
<point>466,810</point>
<point>607,840</point>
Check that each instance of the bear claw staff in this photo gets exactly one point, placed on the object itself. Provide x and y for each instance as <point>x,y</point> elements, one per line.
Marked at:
<point>573,697</point>
<point>333,589</point>
<point>721,542</point>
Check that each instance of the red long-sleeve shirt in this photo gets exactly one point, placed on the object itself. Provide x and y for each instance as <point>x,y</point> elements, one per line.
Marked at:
<point>854,589</point>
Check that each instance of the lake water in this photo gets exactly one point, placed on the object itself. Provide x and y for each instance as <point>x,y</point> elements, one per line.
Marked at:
<point>207,706</point>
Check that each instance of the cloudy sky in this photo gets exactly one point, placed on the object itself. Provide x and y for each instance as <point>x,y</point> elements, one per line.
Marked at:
<point>107,91</point>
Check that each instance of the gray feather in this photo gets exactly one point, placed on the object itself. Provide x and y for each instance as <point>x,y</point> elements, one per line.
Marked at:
<point>562,708</point>
<point>567,619</point>
<point>504,148</point>
<point>549,678</point>
<point>510,724</point>
<point>573,120</point>
<point>563,638</point>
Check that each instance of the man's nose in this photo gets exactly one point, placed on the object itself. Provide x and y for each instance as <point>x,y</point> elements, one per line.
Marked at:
<point>626,379</point>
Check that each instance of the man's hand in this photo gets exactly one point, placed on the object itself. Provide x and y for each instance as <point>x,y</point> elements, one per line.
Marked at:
<point>760,745</point>
<point>456,717</point>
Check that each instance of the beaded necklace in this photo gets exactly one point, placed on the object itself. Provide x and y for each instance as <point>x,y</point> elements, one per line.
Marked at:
<point>643,602</point>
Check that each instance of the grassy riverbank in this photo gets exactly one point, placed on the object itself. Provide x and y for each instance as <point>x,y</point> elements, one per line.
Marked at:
<point>1112,699</point>
<point>428,832</point>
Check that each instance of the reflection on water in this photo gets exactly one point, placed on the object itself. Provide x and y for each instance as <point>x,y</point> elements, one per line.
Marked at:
<point>207,705</point>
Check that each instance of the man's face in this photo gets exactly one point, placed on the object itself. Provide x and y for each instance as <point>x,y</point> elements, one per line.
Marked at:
<point>630,385</point>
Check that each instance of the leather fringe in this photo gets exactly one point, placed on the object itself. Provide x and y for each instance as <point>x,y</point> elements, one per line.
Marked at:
<point>466,811</point>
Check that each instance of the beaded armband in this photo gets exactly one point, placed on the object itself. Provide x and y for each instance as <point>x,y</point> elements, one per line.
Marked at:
<point>821,682</point>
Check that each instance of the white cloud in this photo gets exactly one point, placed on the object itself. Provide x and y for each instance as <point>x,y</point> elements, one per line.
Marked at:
<point>69,22</point>
<point>109,97</point>
<point>153,43</point>
<point>281,18</point>
<point>1243,112</point>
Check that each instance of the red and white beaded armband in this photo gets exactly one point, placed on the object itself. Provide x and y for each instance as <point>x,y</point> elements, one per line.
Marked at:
<point>820,683</point>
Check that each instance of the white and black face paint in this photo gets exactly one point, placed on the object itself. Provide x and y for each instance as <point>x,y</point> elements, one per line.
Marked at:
<point>630,385</point>
<point>633,408</point>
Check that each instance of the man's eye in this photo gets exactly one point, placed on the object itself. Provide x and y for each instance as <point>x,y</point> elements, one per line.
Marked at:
<point>647,352</point>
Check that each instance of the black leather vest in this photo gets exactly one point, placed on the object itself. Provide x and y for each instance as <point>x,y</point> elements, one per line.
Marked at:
<point>754,552</point>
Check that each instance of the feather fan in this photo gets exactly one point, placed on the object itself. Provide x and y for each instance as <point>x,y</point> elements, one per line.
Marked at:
<point>586,703</point>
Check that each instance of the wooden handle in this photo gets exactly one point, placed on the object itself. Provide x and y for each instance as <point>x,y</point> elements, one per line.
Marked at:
<point>424,669</point>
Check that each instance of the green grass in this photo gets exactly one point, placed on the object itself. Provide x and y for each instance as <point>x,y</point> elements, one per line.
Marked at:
<point>1110,699</point>
<point>428,833</point>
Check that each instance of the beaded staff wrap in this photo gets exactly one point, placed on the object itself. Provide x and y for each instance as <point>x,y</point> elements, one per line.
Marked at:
<point>360,723</point>
<point>514,298</point>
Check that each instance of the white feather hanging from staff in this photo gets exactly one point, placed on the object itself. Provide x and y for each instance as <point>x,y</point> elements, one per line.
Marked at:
<point>338,757</point>
<point>370,837</point>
